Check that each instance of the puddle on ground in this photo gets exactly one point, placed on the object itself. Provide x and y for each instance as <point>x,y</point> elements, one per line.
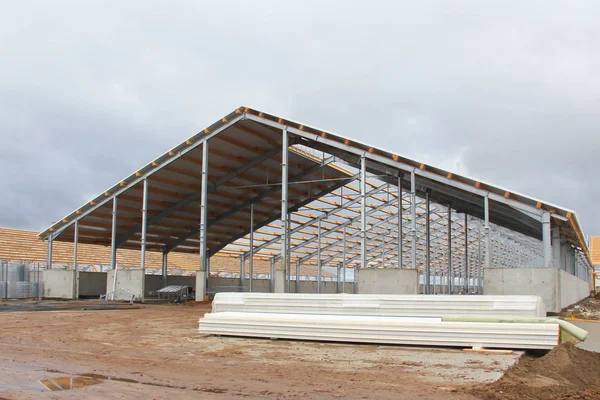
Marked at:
<point>68,383</point>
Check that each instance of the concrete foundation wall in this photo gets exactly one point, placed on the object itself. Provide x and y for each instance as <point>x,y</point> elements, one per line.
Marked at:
<point>557,288</point>
<point>572,289</point>
<point>128,279</point>
<point>92,284</point>
<point>59,284</point>
<point>387,281</point>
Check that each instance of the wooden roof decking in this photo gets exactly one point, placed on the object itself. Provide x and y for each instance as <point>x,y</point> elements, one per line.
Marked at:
<point>595,250</point>
<point>24,245</point>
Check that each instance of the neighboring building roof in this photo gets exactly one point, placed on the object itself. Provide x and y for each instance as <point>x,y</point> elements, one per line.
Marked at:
<point>595,250</point>
<point>23,245</point>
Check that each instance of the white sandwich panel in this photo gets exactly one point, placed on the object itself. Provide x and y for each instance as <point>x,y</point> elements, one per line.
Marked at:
<point>379,305</point>
<point>382,330</point>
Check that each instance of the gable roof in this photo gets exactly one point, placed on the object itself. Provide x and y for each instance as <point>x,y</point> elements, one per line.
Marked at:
<point>247,131</point>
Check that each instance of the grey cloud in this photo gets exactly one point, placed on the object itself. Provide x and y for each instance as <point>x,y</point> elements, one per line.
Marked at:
<point>502,91</point>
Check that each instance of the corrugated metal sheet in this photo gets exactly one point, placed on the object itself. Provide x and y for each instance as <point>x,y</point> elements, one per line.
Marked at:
<point>379,305</point>
<point>384,330</point>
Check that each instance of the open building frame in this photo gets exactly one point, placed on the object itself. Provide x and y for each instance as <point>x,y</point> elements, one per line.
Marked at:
<point>254,185</point>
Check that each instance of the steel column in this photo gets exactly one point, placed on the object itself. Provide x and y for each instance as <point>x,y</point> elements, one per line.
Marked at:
<point>113,239</point>
<point>400,222</point>
<point>75,267</point>
<point>363,212</point>
<point>144,233</point>
<point>284,200</point>
<point>450,271</point>
<point>251,257</point>
<point>75,243</point>
<point>203,207</point>
<point>547,238</point>
<point>144,221</point>
<point>319,257</point>
<point>413,209</point>
<point>289,254</point>
<point>479,263</point>
<point>297,276</point>
<point>164,268</point>
<point>49,259</point>
<point>427,246</point>
<point>344,258</point>
<point>467,270</point>
<point>242,272</point>
<point>486,231</point>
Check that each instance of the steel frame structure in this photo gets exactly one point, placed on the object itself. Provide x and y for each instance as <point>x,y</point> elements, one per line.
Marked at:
<point>343,204</point>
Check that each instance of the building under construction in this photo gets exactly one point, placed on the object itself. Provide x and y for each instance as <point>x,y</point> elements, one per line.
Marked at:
<point>256,186</point>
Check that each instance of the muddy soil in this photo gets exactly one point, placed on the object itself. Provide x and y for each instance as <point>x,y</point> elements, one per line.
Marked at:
<point>566,372</point>
<point>155,352</point>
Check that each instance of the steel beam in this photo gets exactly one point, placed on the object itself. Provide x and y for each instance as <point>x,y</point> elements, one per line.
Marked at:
<point>323,216</point>
<point>257,199</point>
<point>212,187</point>
<point>168,159</point>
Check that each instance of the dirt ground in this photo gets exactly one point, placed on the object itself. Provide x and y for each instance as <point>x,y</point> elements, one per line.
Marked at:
<point>586,309</point>
<point>156,352</point>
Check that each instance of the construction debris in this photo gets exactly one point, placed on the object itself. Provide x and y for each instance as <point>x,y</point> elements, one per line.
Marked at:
<point>588,308</point>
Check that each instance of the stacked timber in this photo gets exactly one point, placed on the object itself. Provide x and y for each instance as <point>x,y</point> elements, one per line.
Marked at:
<point>461,321</point>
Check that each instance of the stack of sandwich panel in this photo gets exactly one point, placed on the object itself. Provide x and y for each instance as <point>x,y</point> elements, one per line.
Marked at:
<point>380,305</point>
<point>384,330</point>
<point>385,319</point>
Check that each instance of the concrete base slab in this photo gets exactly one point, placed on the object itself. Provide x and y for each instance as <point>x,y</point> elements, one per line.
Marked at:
<point>557,288</point>
<point>388,281</point>
<point>200,285</point>
<point>130,280</point>
<point>59,284</point>
<point>279,282</point>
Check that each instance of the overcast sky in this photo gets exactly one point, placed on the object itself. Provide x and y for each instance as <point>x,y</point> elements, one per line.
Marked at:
<point>508,92</point>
